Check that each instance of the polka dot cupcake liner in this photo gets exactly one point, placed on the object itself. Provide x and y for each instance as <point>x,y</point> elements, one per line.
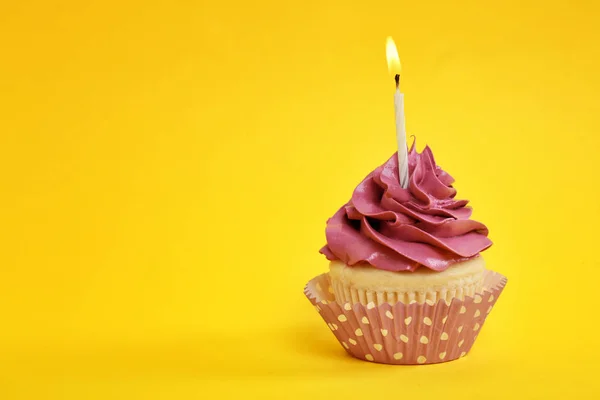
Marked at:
<point>406,334</point>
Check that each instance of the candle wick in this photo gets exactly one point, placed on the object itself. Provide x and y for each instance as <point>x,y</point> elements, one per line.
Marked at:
<point>397,78</point>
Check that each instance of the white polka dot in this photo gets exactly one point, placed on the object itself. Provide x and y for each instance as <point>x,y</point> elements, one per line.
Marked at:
<point>365,320</point>
<point>358,332</point>
<point>323,301</point>
<point>389,314</point>
<point>460,328</point>
<point>461,343</point>
<point>371,305</point>
<point>477,314</point>
<point>377,346</point>
<point>463,309</point>
<point>342,318</point>
<point>477,299</point>
<point>424,340</point>
<point>335,327</point>
<point>427,321</point>
<point>347,307</point>
<point>398,356</point>
<point>444,319</point>
<point>345,345</point>
<point>384,332</point>
<point>330,326</point>
<point>442,355</point>
<point>444,336</point>
<point>476,326</point>
<point>463,354</point>
<point>352,342</point>
<point>404,338</point>
<point>491,298</point>
<point>488,310</point>
<point>430,302</point>
<point>407,320</point>
<point>421,359</point>
<point>369,357</point>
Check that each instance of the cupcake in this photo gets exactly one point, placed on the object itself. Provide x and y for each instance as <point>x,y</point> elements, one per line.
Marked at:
<point>407,262</point>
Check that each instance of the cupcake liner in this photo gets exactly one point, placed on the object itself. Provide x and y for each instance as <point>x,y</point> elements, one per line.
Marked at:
<point>406,334</point>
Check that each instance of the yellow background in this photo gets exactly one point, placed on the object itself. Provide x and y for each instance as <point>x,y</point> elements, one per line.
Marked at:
<point>167,169</point>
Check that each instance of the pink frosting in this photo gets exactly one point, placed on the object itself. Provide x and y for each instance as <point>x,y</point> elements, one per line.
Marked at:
<point>398,229</point>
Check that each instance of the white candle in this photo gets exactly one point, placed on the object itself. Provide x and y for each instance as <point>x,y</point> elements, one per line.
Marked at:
<point>401,138</point>
<point>394,68</point>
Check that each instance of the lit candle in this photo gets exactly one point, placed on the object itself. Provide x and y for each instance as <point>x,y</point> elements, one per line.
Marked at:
<point>394,67</point>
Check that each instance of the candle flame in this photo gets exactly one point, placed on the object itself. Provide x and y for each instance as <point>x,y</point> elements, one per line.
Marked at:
<point>391,54</point>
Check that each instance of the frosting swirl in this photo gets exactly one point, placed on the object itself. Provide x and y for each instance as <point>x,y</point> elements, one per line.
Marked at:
<point>398,229</point>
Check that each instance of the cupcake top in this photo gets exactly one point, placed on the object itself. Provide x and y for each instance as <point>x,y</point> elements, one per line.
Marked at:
<point>398,229</point>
